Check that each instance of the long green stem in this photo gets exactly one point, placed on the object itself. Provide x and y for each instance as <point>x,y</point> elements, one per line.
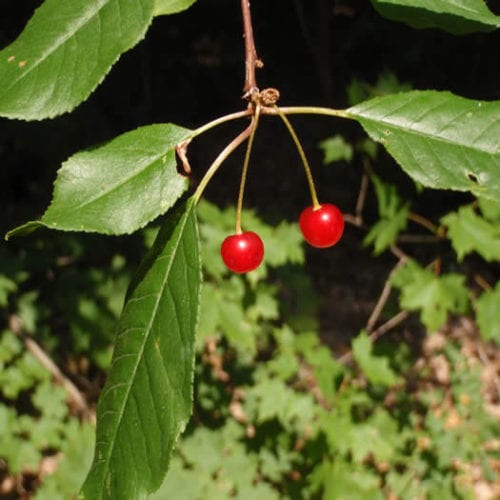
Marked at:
<point>300,149</point>
<point>246,161</point>
<point>218,121</point>
<point>220,159</point>
<point>309,110</point>
<point>288,110</point>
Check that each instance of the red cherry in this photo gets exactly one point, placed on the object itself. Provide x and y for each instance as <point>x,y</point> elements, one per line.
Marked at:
<point>323,227</point>
<point>242,252</point>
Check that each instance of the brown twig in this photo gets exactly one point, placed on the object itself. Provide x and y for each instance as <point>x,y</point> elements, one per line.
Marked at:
<point>482,282</point>
<point>181,150</point>
<point>252,62</point>
<point>43,358</point>
<point>418,238</point>
<point>360,203</point>
<point>379,332</point>
<point>424,222</point>
<point>384,296</point>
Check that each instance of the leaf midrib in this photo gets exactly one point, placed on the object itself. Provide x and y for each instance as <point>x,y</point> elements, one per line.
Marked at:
<point>146,338</point>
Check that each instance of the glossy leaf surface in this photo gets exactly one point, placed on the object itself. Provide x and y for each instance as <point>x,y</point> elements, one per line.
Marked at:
<point>65,51</point>
<point>457,16</point>
<point>439,139</point>
<point>147,399</point>
<point>119,187</point>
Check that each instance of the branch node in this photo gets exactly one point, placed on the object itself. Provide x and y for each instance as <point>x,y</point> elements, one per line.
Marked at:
<point>181,150</point>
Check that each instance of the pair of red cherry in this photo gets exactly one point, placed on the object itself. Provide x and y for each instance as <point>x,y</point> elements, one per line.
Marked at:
<point>321,227</point>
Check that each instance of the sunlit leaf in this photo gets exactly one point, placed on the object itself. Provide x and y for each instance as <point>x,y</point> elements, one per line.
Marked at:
<point>393,217</point>
<point>119,187</point>
<point>335,148</point>
<point>375,368</point>
<point>434,296</point>
<point>488,314</point>
<point>490,209</point>
<point>469,233</point>
<point>163,7</point>
<point>65,51</point>
<point>147,399</point>
<point>439,139</point>
<point>343,480</point>
<point>457,16</point>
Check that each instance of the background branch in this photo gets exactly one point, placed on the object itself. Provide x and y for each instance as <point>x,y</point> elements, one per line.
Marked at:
<point>251,59</point>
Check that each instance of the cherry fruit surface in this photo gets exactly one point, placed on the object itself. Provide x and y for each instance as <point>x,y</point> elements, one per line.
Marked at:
<point>322,227</point>
<point>243,252</point>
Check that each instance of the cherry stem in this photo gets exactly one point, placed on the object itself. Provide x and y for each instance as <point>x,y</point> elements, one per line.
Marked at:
<point>314,110</point>
<point>246,161</point>
<point>424,222</point>
<point>223,155</point>
<point>218,121</point>
<point>314,197</point>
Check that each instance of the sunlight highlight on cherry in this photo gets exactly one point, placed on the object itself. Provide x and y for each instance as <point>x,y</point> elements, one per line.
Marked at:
<point>323,227</point>
<point>243,252</point>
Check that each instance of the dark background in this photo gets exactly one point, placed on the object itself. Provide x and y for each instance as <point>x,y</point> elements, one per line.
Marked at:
<point>190,69</point>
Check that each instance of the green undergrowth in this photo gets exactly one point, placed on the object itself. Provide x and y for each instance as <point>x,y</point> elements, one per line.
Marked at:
<point>276,414</point>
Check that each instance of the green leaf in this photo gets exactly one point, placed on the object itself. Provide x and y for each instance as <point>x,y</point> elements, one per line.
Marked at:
<point>163,7</point>
<point>147,399</point>
<point>7,286</point>
<point>65,51</point>
<point>393,217</point>
<point>335,149</point>
<point>434,296</point>
<point>119,187</point>
<point>387,83</point>
<point>439,139</point>
<point>344,481</point>
<point>457,16</point>
<point>490,209</point>
<point>75,461</point>
<point>488,314</point>
<point>375,368</point>
<point>469,232</point>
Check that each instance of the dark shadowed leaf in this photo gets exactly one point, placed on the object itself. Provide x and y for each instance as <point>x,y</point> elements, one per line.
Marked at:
<point>147,399</point>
